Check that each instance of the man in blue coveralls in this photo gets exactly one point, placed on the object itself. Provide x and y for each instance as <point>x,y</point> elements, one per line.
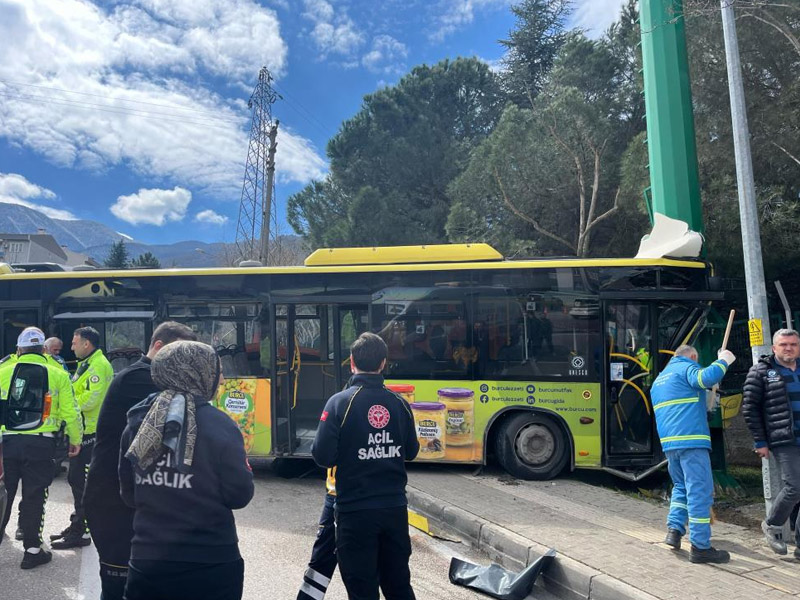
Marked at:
<point>678,395</point>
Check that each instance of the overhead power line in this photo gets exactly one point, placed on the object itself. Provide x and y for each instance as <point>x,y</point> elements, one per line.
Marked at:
<point>119,110</point>
<point>57,89</point>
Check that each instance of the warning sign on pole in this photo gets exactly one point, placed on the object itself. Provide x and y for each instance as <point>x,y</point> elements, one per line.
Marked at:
<point>756,332</point>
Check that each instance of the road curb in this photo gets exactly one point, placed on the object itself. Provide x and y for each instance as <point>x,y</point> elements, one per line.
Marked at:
<point>566,577</point>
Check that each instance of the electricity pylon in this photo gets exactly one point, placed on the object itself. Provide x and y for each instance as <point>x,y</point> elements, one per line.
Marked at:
<point>256,207</point>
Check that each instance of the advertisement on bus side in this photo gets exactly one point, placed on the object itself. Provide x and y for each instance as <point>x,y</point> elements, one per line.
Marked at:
<point>246,400</point>
<point>452,416</point>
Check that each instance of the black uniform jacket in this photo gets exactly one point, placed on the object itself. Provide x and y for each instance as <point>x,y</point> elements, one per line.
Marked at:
<point>367,432</point>
<point>188,516</point>
<point>111,520</point>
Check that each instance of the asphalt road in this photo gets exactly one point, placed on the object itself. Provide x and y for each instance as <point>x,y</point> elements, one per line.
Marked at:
<point>276,533</point>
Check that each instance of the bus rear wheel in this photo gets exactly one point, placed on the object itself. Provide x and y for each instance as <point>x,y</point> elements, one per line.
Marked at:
<point>532,446</point>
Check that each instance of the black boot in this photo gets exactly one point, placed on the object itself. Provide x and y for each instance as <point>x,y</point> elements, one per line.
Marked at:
<point>709,555</point>
<point>71,540</point>
<point>673,539</point>
<point>60,536</point>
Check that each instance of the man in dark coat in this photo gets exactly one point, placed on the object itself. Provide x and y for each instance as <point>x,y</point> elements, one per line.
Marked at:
<point>771,408</point>
<point>110,520</point>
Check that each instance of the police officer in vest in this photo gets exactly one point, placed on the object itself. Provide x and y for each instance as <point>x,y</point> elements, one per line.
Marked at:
<point>367,432</point>
<point>91,381</point>
<point>679,406</point>
<point>28,455</point>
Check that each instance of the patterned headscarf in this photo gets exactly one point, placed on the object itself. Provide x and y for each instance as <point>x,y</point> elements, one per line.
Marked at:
<point>187,373</point>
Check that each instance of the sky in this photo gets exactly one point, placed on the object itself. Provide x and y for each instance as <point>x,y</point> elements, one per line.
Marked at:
<point>134,113</point>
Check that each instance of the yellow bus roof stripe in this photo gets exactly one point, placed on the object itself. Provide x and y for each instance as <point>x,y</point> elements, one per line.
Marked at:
<point>545,263</point>
<point>393,255</point>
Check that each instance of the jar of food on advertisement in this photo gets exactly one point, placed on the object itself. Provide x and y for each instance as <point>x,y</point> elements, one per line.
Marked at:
<point>429,419</point>
<point>460,415</point>
<point>405,390</point>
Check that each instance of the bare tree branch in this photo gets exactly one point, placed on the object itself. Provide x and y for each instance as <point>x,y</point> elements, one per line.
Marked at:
<point>526,218</point>
<point>608,213</point>
<point>583,244</point>
<point>789,154</point>
<point>579,168</point>
<point>770,20</point>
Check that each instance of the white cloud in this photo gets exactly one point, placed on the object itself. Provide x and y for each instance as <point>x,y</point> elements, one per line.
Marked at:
<point>495,64</point>
<point>94,88</point>
<point>452,15</point>
<point>386,55</point>
<point>209,216</point>
<point>153,207</point>
<point>16,189</point>
<point>332,33</point>
<point>595,16</point>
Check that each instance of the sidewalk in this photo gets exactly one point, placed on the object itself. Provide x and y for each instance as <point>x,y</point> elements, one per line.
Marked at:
<point>609,545</point>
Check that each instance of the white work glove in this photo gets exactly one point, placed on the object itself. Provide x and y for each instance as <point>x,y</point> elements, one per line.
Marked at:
<point>728,356</point>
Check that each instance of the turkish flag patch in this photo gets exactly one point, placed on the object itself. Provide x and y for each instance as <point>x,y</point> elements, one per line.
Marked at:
<point>324,416</point>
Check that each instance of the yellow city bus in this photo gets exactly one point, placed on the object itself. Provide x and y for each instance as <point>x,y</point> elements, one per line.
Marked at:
<point>544,364</point>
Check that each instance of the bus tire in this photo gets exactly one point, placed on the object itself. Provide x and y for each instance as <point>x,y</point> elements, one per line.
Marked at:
<point>532,446</point>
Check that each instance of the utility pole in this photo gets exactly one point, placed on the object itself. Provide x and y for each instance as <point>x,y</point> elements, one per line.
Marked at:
<point>748,214</point>
<point>266,192</point>
<point>256,207</point>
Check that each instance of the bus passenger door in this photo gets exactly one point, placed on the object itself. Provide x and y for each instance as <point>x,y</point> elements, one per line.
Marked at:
<point>629,351</point>
<point>311,364</point>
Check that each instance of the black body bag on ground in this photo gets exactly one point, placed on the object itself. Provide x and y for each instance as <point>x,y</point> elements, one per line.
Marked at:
<point>496,581</point>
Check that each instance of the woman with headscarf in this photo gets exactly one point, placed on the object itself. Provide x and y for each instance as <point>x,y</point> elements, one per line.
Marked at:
<point>183,468</point>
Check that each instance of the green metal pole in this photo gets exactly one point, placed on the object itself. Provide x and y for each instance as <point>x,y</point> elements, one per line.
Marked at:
<point>674,174</point>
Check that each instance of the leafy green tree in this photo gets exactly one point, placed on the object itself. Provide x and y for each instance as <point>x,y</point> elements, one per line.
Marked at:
<point>392,162</point>
<point>146,261</point>
<point>547,180</point>
<point>770,53</point>
<point>532,47</point>
<point>117,256</point>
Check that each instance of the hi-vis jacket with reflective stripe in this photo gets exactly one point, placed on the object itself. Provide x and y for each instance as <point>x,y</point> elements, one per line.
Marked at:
<point>678,396</point>
<point>91,381</point>
<point>63,407</point>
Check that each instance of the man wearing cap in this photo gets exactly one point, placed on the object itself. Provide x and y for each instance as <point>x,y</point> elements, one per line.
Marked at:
<point>28,455</point>
<point>90,382</point>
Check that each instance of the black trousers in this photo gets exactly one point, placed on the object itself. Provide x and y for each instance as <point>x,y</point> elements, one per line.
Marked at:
<point>320,569</point>
<point>373,548</point>
<point>78,467</point>
<point>111,524</point>
<point>28,458</point>
<point>170,580</point>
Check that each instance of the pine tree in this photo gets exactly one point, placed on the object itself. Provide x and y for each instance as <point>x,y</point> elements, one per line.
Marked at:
<point>146,261</point>
<point>117,256</point>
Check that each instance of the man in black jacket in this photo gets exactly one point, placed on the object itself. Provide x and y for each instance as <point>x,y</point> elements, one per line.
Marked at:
<point>110,520</point>
<point>771,408</point>
<point>367,432</point>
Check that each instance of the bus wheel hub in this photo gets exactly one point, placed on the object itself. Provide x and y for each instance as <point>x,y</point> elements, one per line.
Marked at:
<point>535,444</point>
